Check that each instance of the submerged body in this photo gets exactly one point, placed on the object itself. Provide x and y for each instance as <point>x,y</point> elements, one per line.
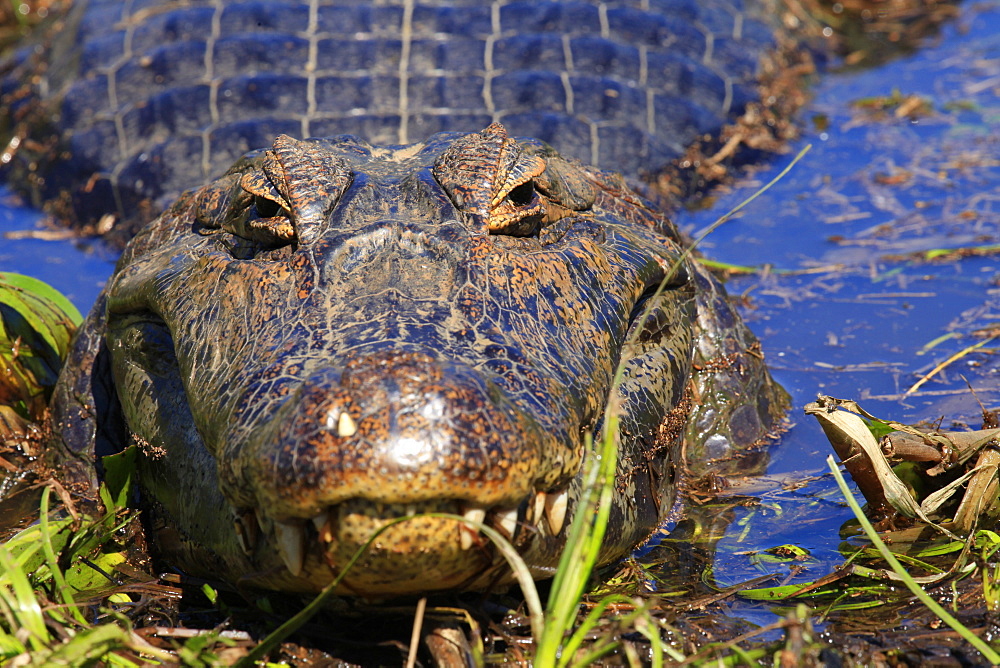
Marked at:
<point>335,334</point>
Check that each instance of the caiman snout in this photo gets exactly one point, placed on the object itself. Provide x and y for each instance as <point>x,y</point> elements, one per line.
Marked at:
<point>394,427</point>
<point>392,434</point>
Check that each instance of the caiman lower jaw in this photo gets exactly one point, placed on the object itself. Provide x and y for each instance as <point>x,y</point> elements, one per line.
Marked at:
<point>429,550</point>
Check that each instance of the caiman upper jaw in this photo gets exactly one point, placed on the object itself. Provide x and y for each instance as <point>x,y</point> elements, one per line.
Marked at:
<point>391,427</point>
<point>386,435</point>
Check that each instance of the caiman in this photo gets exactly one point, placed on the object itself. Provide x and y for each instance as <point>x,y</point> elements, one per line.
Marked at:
<point>336,332</point>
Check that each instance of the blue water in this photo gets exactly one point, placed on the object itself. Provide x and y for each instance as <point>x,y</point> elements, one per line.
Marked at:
<point>871,187</point>
<point>78,269</point>
<point>857,326</point>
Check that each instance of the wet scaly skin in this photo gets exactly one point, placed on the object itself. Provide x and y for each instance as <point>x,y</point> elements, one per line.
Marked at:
<point>334,335</point>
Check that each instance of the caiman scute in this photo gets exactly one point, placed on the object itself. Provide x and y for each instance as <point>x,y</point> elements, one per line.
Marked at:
<point>334,334</point>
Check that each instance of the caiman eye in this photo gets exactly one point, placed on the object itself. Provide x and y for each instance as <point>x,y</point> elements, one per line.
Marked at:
<point>247,226</point>
<point>490,178</point>
<point>523,195</point>
<point>266,208</point>
<point>266,218</point>
<point>275,199</point>
<point>519,213</point>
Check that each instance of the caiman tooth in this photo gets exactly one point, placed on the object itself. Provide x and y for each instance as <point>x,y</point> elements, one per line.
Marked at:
<point>507,520</point>
<point>469,533</point>
<point>555,510</point>
<point>323,529</point>
<point>539,507</point>
<point>246,531</point>
<point>346,425</point>
<point>291,539</point>
<point>241,537</point>
<point>265,523</point>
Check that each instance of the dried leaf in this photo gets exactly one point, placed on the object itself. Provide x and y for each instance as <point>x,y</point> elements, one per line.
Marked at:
<point>850,435</point>
<point>981,494</point>
<point>936,499</point>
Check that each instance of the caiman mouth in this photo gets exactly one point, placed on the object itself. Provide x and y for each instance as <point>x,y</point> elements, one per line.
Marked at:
<point>409,548</point>
<point>388,435</point>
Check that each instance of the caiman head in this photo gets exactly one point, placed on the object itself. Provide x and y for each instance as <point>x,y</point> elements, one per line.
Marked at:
<point>334,335</point>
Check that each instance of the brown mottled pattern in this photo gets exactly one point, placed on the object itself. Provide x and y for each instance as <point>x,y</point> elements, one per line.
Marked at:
<point>394,357</point>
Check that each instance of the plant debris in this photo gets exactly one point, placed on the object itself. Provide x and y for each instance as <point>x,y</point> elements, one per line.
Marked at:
<point>852,432</point>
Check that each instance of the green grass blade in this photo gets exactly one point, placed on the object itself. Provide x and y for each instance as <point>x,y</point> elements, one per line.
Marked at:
<point>62,590</point>
<point>592,655</point>
<point>10,647</point>
<point>593,617</point>
<point>24,605</point>
<point>89,646</point>
<point>582,549</point>
<point>650,630</point>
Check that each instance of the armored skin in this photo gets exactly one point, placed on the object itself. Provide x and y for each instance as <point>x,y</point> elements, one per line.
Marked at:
<point>333,335</point>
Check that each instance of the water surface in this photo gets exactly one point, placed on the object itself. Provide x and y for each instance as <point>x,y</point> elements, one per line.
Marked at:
<point>76,268</point>
<point>859,316</point>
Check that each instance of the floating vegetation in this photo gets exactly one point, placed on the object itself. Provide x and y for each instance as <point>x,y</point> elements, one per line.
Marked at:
<point>947,460</point>
<point>897,104</point>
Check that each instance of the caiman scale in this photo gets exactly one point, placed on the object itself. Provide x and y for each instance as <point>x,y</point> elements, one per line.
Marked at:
<point>334,334</point>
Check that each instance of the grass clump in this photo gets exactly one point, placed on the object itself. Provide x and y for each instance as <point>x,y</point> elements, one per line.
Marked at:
<point>47,573</point>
